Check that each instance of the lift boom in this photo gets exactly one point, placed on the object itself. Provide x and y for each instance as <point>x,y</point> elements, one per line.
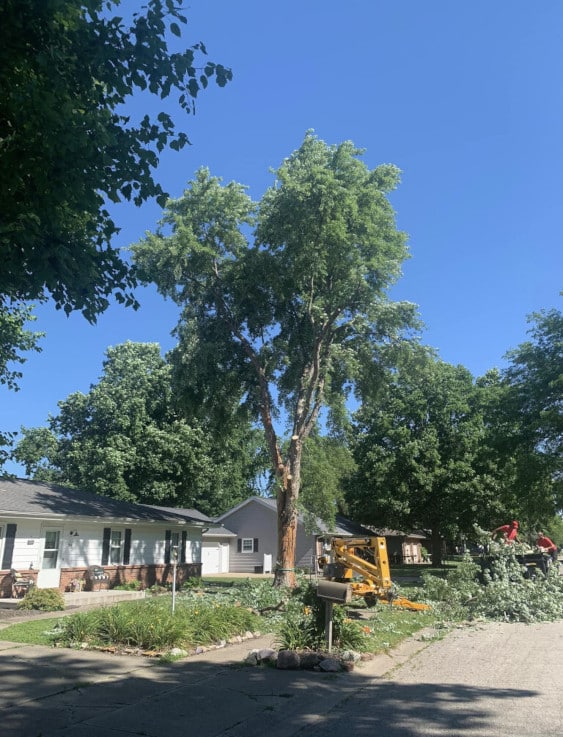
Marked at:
<point>362,562</point>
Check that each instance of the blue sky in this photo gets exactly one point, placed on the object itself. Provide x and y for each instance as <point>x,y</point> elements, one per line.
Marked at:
<point>465,98</point>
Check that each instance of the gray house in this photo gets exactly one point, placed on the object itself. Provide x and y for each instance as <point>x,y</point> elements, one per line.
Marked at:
<point>53,535</point>
<point>251,533</point>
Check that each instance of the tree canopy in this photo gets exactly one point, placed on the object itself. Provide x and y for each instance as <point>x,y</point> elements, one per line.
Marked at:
<point>534,409</point>
<point>67,148</point>
<point>419,451</point>
<point>282,300</point>
<point>126,439</point>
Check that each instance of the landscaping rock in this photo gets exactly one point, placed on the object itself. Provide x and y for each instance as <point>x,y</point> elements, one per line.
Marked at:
<point>330,665</point>
<point>288,660</point>
<point>267,654</point>
<point>177,652</point>
<point>309,661</point>
<point>252,658</point>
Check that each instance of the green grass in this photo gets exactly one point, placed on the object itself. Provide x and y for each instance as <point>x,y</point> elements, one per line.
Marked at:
<point>388,626</point>
<point>32,632</point>
<point>203,618</point>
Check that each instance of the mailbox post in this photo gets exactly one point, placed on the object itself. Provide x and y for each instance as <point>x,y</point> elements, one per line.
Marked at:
<point>174,565</point>
<point>332,592</point>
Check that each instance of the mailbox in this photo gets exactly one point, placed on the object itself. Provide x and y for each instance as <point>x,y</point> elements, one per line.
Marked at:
<point>339,593</point>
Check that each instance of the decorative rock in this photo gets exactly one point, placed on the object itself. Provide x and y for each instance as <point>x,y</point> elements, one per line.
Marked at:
<point>248,635</point>
<point>222,643</point>
<point>330,665</point>
<point>288,660</point>
<point>177,652</point>
<point>252,658</point>
<point>200,649</point>
<point>350,656</point>
<point>266,653</point>
<point>309,661</point>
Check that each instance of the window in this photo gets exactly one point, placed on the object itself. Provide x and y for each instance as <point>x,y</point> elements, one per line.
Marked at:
<point>175,545</point>
<point>51,549</point>
<point>247,545</point>
<point>115,547</point>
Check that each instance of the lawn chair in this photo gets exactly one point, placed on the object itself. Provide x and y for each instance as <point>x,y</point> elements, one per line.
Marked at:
<point>20,584</point>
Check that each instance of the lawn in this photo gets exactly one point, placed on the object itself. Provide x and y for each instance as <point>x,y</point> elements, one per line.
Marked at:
<point>32,632</point>
<point>210,614</point>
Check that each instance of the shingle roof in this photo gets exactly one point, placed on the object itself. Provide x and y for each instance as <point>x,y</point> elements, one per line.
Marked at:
<point>343,526</point>
<point>191,514</point>
<point>217,531</point>
<point>39,499</point>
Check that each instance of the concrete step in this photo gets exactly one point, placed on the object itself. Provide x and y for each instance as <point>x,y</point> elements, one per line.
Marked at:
<point>109,596</point>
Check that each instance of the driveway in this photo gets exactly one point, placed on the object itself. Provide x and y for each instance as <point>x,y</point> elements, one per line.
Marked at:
<point>493,680</point>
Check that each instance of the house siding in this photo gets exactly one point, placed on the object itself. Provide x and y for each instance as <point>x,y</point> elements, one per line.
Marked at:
<point>253,521</point>
<point>78,551</point>
<point>256,520</point>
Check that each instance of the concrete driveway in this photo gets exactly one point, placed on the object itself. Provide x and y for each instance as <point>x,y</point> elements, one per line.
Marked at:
<point>493,680</point>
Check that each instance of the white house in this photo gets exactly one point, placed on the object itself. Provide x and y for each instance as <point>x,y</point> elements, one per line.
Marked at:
<point>54,534</point>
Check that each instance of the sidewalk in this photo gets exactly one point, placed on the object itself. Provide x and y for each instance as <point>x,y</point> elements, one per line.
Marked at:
<point>466,683</point>
<point>67,693</point>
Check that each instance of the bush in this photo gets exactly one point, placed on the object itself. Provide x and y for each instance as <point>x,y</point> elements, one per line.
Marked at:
<point>151,624</point>
<point>129,586</point>
<point>303,626</point>
<point>45,600</point>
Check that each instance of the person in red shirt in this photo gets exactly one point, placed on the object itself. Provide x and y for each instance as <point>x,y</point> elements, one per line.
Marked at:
<point>508,532</point>
<point>547,545</point>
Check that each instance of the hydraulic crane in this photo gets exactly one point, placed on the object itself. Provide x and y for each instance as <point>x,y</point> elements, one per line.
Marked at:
<point>362,562</point>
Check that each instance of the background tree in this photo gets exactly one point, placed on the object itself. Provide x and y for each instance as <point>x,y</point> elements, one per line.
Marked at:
<point>534,409</point>
<point>126,439</point>
<point>67,148</point>
<point>15,340</point>
<point>417,446</point>
<point>276,327</point>
<point>327,463</point>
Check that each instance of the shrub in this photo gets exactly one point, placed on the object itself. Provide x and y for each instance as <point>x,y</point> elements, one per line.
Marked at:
<point>129,586</point>
<point>45,600</point>
<point>303,626</point>
<point>151,624</point>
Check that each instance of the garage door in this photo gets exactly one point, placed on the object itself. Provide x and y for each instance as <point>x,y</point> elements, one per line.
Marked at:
<point>210,559</point>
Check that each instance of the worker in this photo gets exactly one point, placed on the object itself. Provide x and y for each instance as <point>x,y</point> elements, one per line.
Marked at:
<point>508,532</point>
<point>547,546</point>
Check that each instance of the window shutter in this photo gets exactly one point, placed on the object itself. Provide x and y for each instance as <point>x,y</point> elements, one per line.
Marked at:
<point>183,547</point>
<point>167,539</point>
<point>127,547</point>
<point>255,545</point>
<point>9,546</point>
<point>105,546</point>
<point>239,545</point>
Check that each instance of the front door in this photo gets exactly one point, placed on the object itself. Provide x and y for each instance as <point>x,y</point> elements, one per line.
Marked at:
<point>50,572</point>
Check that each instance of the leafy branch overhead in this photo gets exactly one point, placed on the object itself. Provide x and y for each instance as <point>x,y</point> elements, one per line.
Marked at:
<point>66,147</point>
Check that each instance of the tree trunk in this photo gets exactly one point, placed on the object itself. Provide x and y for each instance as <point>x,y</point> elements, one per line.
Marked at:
<point>436,543</point>
<point>288,493</point>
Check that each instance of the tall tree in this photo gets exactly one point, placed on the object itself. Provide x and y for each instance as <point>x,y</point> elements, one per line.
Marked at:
<point>534,406</point>
<point>276,321</point>
<point>67,147</point>
<point>125,438</point>
<point>418,445</point>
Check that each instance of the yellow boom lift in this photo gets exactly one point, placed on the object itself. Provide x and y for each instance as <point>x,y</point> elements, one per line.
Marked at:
<point>362,562</point>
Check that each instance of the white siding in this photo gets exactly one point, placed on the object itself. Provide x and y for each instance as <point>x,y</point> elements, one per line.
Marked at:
<point>85,548</point>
